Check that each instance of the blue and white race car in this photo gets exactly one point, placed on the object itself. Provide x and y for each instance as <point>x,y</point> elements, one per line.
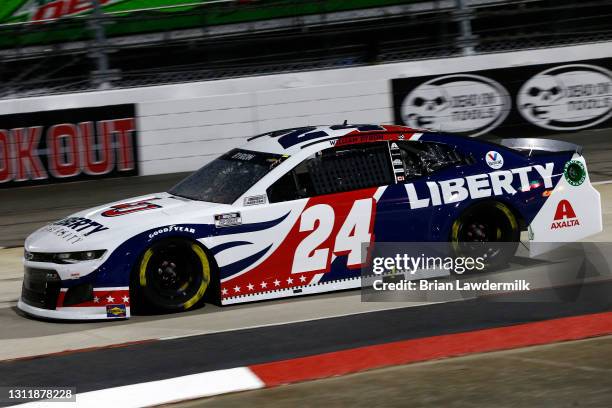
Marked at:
<point>287,213</point>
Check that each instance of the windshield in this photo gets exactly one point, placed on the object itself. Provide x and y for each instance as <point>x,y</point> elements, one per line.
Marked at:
<point>225,179</point>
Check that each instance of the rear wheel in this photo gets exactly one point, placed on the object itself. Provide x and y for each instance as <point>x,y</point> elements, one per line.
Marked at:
<point>172,275</point>
<point>489,230</point>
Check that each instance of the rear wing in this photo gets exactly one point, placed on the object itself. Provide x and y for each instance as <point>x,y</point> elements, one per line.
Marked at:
<point>530,145</point>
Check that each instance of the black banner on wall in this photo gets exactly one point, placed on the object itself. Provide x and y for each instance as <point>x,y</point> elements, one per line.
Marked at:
<point>509,102</point>
<point>67,145</point>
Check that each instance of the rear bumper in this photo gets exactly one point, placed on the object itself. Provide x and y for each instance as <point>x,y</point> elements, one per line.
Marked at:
<point>75,313</point>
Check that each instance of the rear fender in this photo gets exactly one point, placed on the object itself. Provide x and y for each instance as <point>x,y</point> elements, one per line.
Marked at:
<point>571,213</point>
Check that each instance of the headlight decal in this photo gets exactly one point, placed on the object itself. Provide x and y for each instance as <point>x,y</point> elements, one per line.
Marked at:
<point>64,257</point>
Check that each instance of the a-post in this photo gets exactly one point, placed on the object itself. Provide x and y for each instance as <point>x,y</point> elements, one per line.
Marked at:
<point>466,40</point>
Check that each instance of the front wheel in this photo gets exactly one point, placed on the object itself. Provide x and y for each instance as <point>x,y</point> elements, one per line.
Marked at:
<point>488,230</point>
<point>172,275</point>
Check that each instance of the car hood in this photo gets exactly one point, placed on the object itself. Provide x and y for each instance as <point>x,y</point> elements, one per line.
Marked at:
<point>107,226</point>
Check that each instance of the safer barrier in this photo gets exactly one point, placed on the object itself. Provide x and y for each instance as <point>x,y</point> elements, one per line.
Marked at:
<point>181,127</point>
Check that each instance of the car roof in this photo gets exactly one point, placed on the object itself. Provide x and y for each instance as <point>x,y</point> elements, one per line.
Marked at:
<point>290,141</point>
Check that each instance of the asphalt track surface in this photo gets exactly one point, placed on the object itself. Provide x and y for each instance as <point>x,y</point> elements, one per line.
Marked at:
<point>175,357</point>
<point>562,375</point>
<point>214,338</point>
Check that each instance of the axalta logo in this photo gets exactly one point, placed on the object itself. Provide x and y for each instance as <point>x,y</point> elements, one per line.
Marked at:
<point>494,160</point>
<point>565,216</point>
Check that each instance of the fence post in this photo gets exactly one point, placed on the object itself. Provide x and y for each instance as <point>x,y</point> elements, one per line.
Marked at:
<point>466,40</point>
<point>103,76</point>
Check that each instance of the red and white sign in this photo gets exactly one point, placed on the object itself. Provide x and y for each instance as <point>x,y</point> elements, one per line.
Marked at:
<point>43,147</point>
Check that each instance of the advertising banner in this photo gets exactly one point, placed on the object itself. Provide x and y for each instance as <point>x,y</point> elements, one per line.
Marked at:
<point>37,10</point>
<point>67,145</point>
<point>12,11</point>
<point>127,17</point>
<point>509,102</point>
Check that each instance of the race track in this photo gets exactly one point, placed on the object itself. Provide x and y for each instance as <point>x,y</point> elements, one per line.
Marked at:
<point>26,337</point>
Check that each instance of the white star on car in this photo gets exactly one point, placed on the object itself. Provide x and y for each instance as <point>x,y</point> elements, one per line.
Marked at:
<point>289,280</point>
<point>125,299</point>
<point>96,299</point>
<point>264,284</point>
<point>276,282</point>
<point>250,286</point>
<point>110,299</point>
<point>237,288</point>
<point>302,278</point>
<point>224,291</point>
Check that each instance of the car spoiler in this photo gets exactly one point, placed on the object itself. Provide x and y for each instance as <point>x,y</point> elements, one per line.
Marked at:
<point>545,145</point>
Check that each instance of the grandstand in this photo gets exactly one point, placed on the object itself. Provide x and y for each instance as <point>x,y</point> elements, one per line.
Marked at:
<point>63,46</point>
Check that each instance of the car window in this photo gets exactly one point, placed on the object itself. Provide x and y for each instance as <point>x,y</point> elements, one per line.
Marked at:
<point>225,179</point>
<point>422,158</point>
<point>334,171</point>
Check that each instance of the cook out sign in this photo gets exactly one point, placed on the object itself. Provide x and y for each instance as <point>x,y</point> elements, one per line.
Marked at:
<point>51,146</point>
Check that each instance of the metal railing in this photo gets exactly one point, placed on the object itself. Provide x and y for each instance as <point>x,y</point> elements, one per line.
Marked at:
<point>460,31</point>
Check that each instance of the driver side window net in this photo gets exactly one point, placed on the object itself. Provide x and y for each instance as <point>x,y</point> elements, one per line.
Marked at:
<point>334,171</point>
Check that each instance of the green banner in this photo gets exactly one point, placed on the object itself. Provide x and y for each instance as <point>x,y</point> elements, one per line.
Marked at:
<point>127,17</point>
<point>13,11</point>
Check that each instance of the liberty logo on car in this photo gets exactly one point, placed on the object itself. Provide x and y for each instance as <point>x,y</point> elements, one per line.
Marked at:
<point>565,216</point>
<point>476,186</point>
<point>494,160</point>
<point>81,224</point>
<point>116,310</point>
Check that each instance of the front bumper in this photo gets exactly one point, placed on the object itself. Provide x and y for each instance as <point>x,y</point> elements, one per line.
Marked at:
<point>72,313</point>
<point>45,294</point>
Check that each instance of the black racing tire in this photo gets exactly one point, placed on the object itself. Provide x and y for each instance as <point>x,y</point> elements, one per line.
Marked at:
<point>171,276</point>
<point>489,230</point>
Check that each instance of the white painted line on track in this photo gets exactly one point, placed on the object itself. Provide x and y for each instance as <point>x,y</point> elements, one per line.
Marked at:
<point>164,391</point>
<point>397,305</point>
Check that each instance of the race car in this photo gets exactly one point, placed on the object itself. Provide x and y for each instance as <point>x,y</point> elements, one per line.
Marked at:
<point>288,213</point>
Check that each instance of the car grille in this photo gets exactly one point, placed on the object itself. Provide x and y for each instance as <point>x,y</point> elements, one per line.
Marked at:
<point>41,288</point>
